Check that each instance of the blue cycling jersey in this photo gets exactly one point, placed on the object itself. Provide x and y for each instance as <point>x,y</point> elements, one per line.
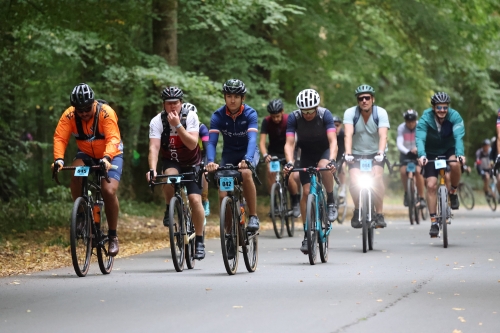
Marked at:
<point>239,133</point>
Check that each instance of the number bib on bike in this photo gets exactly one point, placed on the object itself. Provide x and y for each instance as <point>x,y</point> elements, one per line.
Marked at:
<point>174,180</point>
<point>440,164</point>
<point>410,167</point>
<point>365,165</point>
<point>226,184</point>
<point>82,171</point>
<point>274,166</point>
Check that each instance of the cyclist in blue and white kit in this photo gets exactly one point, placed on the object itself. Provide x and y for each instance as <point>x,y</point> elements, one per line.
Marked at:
<point>238,124</point>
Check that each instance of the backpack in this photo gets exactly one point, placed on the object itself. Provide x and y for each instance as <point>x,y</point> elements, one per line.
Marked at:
<point>357,115</point>
<point>165,135</point>
<point>95,126</point>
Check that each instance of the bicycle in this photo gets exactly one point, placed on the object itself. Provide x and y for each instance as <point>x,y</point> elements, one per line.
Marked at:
<point>317,227</point>
<point>341,201</point>
<point>415,210</point>
<point>443,215</point>
<point>492,200</point>
<point>465,193</point>
<point>233,217</point>
<point>88,227</point>
<point>281,202</point>
<point>181,227</point>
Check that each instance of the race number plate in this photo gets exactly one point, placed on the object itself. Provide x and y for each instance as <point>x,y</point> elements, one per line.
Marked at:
<point>174,180</point>
<point>275,166</point>
<point>410,167</point>
<point>226,184</point>
<point>365,165</point>
<point>440,164</point>
<point>82,171</point>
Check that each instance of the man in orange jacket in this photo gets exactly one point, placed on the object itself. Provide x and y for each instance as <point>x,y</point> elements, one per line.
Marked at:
<point>97,138</point>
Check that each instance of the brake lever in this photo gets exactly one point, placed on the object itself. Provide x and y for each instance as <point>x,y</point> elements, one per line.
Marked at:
<point>151,182</point>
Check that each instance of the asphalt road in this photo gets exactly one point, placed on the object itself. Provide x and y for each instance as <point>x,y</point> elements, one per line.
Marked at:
<point>409,283</point>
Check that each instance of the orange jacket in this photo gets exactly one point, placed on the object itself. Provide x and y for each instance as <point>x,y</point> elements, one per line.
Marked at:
<point>110,145</point>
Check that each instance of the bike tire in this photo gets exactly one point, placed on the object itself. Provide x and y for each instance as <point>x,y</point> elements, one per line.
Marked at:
<point>104,260</point>
<point>190,247</point>
<point>466,195</point>
<point>229,233</point>
<point>410,192</point>
<point>277,213</point>
<point>177,230</point>
<point>491,202</point>
<point>424,212</point>
<point>311,232</point>
<point>323,242</point>
<point>290,219</point>
<point>364,219</point>
<point>81,237</point>
<point>442,209</point>
<point>371,227</point>
<point>250,249</point>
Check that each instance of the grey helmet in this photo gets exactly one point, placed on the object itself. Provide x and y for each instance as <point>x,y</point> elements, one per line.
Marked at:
<point>364,89</point>
<point>82,96</point>
<point>190,107</point>
<point>440,97</point>
<point>172,93</point>
<point>307,99</point>
<point>275,106</point>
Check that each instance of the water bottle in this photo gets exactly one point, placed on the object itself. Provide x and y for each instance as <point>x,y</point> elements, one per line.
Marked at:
<point>242,212</point>
<point>98,204</point>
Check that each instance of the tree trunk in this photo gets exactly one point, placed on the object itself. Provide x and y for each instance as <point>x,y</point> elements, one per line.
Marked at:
<point>165,30</point>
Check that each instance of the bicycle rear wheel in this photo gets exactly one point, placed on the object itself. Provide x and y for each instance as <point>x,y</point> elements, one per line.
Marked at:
<point>289,218</point>
<point>466,195</point>
<point>177,230</point>
<point>103,258</point>
<point>424,212</point>
<point>442,212</point>
<point>311,231</point>
<point>229,236</point>
<point>250,249</point>
<point>364,219</point>
<point>277,213</point>
<point>323,241</point>
<point>80,237</point>
<point>491,202</point>
<point>410,192</point>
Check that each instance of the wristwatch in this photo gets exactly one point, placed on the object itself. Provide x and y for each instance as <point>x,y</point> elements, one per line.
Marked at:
<point>178,125</point>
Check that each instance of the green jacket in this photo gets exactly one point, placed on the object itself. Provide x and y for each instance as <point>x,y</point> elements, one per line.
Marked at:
<point>432,142</point>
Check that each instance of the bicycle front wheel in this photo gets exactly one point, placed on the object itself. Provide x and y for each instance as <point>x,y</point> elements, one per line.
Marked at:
<point>323,241</point>
<point>311,230</point>
<point>364,219</point>
<point>277,213</point>
<point>442,213</point>
<point>491,202</point>
<point>229,236</point>
<point>466,195</point>
<point>289,218</point>
<point>177,230</point>
<point>81,237</point>
<point>103,258</point>
<point>250,249</point>
<point>410,192</point>
<point>190,246</point>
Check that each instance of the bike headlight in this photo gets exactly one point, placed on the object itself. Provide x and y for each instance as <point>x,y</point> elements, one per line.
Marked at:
<point>365,180</point>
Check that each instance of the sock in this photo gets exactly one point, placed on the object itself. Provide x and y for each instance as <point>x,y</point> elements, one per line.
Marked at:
<point>166,208</point>
<point>112,233</point>
<point>199,239</point>
<point>453,189</point>
<point>433,218</point>
<point>295,199</point>
<point>329,198</point>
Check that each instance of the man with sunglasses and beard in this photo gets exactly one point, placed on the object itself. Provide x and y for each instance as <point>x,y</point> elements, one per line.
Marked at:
<point>366,126</point>
<point>317,139</point>
<point>94,125</point>
<point>440,132</point>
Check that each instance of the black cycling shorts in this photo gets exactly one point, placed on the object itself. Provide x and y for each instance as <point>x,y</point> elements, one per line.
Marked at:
<point>310,160</point>
<point>191,187</point>
<point>430,170</point>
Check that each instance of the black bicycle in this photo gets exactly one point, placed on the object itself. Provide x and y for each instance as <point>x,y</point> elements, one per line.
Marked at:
<point>465,193</point>
<point>233,217</point>
<point>88,228</point>
<point>181,228</point>
<point>281,201</point>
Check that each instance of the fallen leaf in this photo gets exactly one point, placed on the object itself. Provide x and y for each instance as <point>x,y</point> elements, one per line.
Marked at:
<point>462,280</point>
<point>28,310</point>
<point>103,301</point>
<point>458,309</point>
<point>15,282</point>
<point>461,319</point>
<point>430,292</point>
<point>480,324</point>
<point>210,251</point>
<point>456,294</point>
<point>301,281</point>
<point>457,331</point>
<point>490,260</point>
<point>285,249</point>
<point>237,306</point>
<point>414,281</point>
<point>208,289</point>
<point>379,300</point>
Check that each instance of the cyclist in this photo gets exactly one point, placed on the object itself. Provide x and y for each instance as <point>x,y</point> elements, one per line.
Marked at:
<point>496,151</point>
<point>94,125</point>
<point>238,124</point>
<point>175,132</point>
<point>440,132</point>
<point>483,165</point>
<point>340,152</point>
<point>408,151</point>
<point>202,142</point>
<point>274,125</point>
<point>316,137</point>
<point>366,126</point>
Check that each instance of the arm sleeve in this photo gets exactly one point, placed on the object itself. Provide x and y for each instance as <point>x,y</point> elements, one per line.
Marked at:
<point>203,133</point>
<point>291,125</point>
<point>400,140</point>
<point>62,135</point>
<point>458,133</point>
<point>252,135</point>
<point>263,126</point>
<point>213,137</point>
<point>111,132</point>
<point>420,137</point>
<point>329,123</point>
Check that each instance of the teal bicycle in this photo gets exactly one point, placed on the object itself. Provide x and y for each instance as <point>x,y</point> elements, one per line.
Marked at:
<point>317,227</point>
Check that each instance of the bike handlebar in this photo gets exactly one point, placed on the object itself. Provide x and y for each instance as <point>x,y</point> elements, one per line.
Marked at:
<point>195,172</point>
<point>235,167</point>
<point>310,170</point>
<point>101,167</point>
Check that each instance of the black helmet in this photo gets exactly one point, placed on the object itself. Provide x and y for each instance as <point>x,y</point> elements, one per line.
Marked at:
<point>440,97</point>
<point>234,86</point>
<point>82,96</point>
<point>337,119</point>
<point>171,93</point>
<point>275,106</point>
<point>410,115</point>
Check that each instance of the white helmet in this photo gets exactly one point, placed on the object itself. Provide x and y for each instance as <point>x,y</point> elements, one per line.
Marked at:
<point>308,99</point>
<point>190,107</point>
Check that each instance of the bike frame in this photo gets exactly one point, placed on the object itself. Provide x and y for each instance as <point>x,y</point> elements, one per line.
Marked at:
<point>317,190</point>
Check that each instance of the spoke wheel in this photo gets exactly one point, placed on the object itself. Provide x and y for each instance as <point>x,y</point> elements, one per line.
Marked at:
<point>229,236</point>
<point>81,237</point>
<point>190,246</point>
<point>491,202</point>
<point>410,192</point>
<point>289,219</point>
<point>311,231</point>
<point>442,212</point>
<point>277,211</point>
<point>177,231</point>
<point>424,212</point>
<point>323,241</point>
<point>364,219</point>
<point>250,246</point>
<point>103,258</point>
<point>466,195</point>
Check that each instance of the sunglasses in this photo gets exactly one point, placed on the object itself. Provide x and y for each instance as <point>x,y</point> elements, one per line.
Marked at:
<point>310,111</point>
<point>364,98</point>
<point>84,109</point>
<point>443,108</point>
